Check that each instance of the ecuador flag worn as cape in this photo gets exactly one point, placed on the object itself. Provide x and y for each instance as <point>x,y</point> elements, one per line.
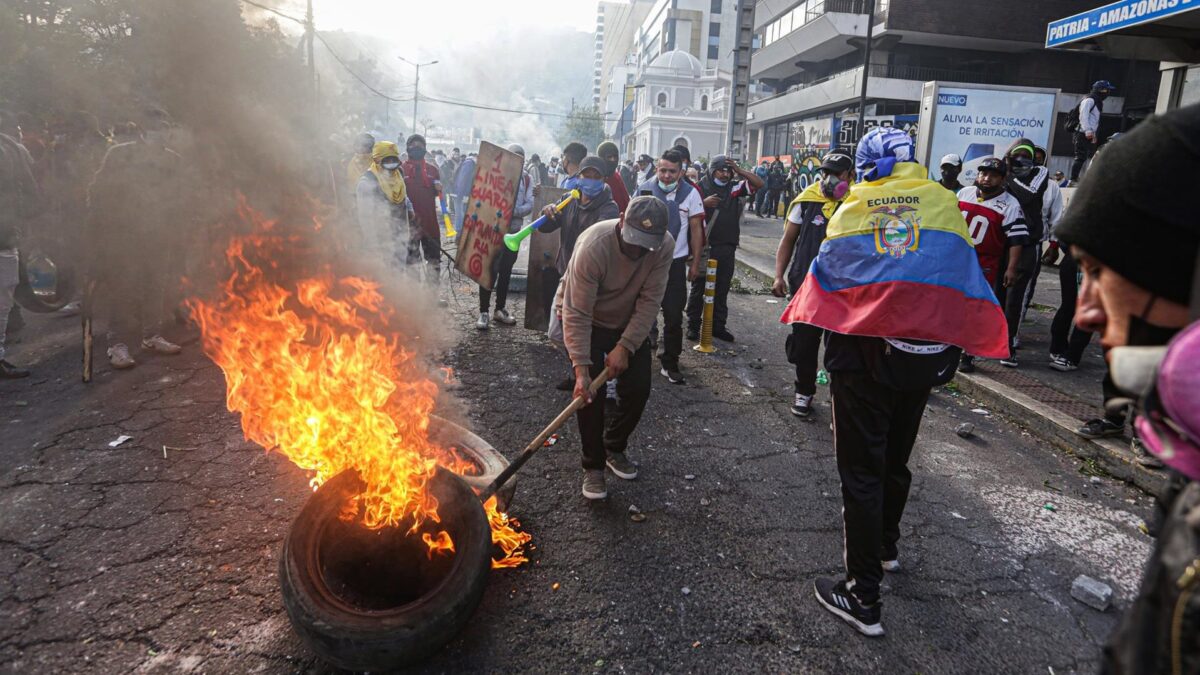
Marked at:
<point>898,262</point>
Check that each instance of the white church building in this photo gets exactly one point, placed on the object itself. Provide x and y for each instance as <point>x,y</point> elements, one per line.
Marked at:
<point>679,102</point>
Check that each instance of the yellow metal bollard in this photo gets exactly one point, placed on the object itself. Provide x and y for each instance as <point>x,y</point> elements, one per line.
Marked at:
<point>706,325</point>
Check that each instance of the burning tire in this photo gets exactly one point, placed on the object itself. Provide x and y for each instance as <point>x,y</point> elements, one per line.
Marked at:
<point>479,452</point>
<point>376,599</point>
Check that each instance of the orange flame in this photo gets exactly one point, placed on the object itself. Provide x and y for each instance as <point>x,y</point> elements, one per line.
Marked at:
<point>319,375</point>
<point>441,544</point>
<point>506,536</point>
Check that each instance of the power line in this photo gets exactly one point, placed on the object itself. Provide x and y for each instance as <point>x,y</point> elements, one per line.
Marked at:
<point>345,66</point>
<point>481,106</point>
<point>465,104</point>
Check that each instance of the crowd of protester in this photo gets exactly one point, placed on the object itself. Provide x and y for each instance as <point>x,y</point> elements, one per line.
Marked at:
<point>631,251</point>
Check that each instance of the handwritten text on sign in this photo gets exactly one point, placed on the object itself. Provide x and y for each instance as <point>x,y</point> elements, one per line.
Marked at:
<point>488,211</point>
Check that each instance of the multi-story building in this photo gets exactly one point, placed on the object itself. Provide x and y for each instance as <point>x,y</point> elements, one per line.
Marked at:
<point>809,63</point>
<point>702,28</point>
<point>618,23</point>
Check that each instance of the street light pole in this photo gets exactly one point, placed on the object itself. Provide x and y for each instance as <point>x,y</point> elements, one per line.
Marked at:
<point>416,87</point>
<point>862,99</point>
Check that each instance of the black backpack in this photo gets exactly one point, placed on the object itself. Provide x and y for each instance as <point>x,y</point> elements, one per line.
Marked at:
<point>1072,123</point>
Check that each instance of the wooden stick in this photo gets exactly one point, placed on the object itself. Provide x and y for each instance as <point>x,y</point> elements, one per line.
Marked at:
<point>540,440</point>
<point>89,290</point>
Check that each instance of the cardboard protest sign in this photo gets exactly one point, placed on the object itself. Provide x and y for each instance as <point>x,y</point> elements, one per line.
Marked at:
<point>489,208</point>
<point>542,275</point>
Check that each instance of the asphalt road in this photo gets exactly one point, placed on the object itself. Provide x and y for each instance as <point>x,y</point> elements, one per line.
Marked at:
<point>123,560</point>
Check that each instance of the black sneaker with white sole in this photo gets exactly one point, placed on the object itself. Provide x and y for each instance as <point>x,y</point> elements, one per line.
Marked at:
<point>802,406</point>
<point>673,375</point>
<point>1100,428</point>
<point>835,597</point>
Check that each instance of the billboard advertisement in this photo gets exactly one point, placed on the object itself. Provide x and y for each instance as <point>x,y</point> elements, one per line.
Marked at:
<point>976,123</point>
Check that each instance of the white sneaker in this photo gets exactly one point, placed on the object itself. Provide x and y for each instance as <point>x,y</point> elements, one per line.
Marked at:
<point>119,358</point>
<point>890,565</point>
<point>483,322</point>
<point>502,316</point>
<point>161,345</point>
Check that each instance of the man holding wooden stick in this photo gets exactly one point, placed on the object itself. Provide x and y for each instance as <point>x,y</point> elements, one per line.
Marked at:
<point>611,293</point>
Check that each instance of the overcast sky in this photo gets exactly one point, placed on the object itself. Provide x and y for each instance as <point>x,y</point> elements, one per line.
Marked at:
<point>429,24</point>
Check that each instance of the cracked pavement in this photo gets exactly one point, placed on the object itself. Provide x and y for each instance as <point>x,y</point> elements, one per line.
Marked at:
<point>140,559</point>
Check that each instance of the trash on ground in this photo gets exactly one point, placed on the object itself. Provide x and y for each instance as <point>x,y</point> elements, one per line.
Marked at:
<point>638,517</point>
<point>958,515</point>
<point>1050,507</point>
<point>685,590</point>
<point>550,441</point>
<point>120,440</point>
<point>704,501</point>
<point>980,411</point>
<point>965,430</point>
<point>554,586</point>
<point>1091,592</point>
<point>690,477</point>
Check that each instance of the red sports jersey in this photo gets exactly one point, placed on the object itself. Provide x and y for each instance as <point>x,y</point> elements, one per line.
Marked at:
<point>986,227</point>
<point>995,225</point>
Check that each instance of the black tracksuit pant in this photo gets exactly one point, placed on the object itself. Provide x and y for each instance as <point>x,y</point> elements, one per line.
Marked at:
<point>598,435</point>
<point>1065,339</point>
<point>673,303</point>
<point>1013,297</point>
<point>1084,149</point>
<point>501,276</point>
<point>724,255</point>
<point>875,427</point>
<point>803,347</point>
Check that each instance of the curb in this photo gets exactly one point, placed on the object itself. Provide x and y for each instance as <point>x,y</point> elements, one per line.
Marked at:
<point>1110,454</point>
<point>754,273</point>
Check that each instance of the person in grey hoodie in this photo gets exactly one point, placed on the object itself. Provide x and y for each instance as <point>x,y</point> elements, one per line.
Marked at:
<point>595,204</point>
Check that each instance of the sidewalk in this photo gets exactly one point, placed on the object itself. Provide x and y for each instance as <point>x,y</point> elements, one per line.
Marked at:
<point>1049,404</point>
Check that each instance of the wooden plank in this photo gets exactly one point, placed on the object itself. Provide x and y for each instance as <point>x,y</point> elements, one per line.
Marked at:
<point>488,211</point>
<point>542,279</point>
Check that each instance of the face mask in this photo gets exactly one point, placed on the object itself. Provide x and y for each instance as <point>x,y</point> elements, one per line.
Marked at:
<point>591,187</point>
<point>720,183</point>
<point>1142,333</point>
<point>1022,167</point>
<point>416,153</point>
<point>833,187</point>
<point>572,183</point>
<point>610,167</point>
<point>667,187</point>
<point>950,176</point>
<point>390,164</point>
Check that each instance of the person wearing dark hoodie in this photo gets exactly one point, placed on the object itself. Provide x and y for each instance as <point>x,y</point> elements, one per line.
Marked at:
<point>608,152</point>
<point>424,184</point>
<point>807,216</point>
<point>723,213</point>
<point>1136,293</point>
<point>595,204</point>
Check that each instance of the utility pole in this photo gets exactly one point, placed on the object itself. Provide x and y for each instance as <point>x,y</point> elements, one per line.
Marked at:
<point>310,35</point>
<point>739,87</point>
<point>866,75</point>
<point>416,87</point>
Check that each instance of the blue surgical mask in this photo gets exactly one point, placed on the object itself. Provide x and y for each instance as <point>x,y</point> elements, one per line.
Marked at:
<point>571,183</point>
<point>667,187</point>
<point>591,187</point>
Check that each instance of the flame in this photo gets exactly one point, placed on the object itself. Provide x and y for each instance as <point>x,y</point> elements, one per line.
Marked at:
<point>318,374</point>
<point>506,536</point>
<point>441,544</point>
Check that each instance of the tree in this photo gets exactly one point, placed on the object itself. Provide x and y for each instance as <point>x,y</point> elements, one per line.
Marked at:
<point>583,125</point>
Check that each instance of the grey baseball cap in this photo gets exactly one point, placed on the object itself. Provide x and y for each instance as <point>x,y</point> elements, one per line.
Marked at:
<point>645,222</point>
